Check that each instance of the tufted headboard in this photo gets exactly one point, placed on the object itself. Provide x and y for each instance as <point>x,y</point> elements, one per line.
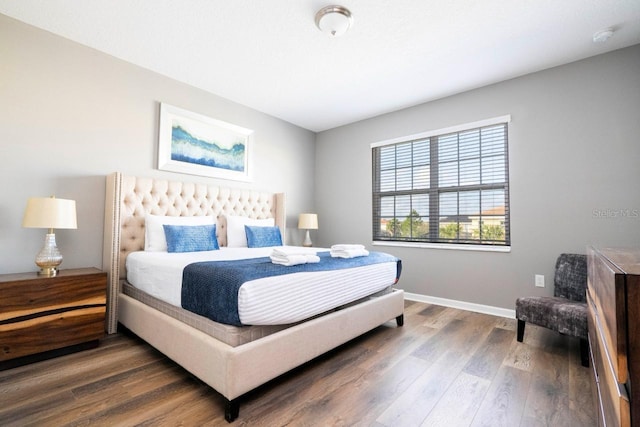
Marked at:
<point>129,198</point>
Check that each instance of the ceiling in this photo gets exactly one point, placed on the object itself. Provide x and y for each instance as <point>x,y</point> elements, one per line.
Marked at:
<point>269,55</point>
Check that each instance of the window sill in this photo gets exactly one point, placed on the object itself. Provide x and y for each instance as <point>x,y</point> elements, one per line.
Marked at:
<point>448,246</point>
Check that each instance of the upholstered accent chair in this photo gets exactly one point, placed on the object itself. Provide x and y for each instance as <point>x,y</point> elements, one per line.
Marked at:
<point>566,311</point>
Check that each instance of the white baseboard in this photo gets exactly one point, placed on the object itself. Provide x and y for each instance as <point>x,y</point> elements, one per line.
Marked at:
<point>462,305</point>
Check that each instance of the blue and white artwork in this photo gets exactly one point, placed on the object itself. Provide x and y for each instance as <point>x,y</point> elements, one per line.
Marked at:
<point>191,143</point>
<point>187,146</point>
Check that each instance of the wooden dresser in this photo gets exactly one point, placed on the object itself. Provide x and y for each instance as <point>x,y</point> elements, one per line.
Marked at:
<point>41,314</point>
<point>613,297</point>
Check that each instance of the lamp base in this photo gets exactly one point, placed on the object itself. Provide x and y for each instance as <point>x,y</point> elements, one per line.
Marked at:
<point>49,257</point>
<point>307,240</point>
<point>48,272</point>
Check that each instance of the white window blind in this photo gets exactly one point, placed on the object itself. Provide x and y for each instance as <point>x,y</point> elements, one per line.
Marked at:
<point>444,188</point>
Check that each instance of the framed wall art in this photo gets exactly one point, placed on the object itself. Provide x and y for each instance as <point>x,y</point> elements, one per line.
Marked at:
<point>195,144</point>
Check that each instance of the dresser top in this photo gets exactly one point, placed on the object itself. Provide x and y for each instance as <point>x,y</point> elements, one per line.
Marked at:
<point>627,260</point>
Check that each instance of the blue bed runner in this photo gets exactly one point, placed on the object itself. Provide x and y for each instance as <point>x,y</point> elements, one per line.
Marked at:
<point>210,288</point>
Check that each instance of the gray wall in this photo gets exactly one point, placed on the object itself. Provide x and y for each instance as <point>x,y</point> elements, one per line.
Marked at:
<point>70,115</point>
<point>574,159</point>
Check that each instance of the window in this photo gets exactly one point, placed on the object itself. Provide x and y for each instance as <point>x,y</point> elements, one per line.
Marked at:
<point>447,186</point>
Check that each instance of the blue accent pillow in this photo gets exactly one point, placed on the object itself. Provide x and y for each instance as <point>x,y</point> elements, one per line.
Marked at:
<point>260,237</point>
<point>190,238</point>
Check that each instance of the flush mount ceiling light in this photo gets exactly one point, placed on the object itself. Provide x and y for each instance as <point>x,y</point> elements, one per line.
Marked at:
<point>334,20</point>
<point>602,35</point>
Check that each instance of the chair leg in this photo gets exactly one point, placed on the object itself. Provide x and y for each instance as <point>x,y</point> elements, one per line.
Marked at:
<point>520,330</point>
<point>584,352</point>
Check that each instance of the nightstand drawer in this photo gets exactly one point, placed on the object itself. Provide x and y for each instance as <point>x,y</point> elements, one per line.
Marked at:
<point>39,314</point>
<point>33,294</point>
<point>51,331</point>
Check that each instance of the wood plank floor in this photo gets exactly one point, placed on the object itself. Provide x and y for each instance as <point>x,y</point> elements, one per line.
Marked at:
<point>445,367</point>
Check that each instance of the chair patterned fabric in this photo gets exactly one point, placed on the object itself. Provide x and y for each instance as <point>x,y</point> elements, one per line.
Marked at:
<point>566,311</point>
<point>570,280</point>
<point>557,314</point>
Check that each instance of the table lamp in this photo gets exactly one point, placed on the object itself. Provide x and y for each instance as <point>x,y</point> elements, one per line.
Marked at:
<point>307,221</point>
<point>49,212</point>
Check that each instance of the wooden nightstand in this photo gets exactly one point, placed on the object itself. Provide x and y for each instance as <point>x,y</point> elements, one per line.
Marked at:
<point>42,317</point>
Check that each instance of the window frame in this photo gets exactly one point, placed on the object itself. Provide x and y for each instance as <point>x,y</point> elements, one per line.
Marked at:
<point>430,241</point>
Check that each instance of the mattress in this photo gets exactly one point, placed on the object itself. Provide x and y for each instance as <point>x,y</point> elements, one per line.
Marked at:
<point>275,300</point>
<point>228,334</point>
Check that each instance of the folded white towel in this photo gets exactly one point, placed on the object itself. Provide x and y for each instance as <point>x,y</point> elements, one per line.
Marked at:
<point>346,247</point>
<point>294,259</point>
<point>349,253</point>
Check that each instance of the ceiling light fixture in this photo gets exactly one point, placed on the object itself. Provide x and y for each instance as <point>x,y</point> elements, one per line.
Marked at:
<point>602,35</point>
<point>334,20</point>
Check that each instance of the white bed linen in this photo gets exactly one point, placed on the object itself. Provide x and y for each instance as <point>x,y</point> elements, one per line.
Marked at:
<point>268,301</point>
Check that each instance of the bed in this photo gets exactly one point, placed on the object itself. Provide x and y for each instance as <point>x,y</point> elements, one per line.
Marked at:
<point>246,357</point>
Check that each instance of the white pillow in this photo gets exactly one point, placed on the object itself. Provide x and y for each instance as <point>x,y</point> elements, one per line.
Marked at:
<point>154,239</point>
<point>236,236</point>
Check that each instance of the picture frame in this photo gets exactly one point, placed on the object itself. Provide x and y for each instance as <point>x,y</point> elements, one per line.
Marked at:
<point>195,144</point>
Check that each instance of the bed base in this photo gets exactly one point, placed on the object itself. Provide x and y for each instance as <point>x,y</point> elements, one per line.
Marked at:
<point>232,406</point>
<point>234,371</point>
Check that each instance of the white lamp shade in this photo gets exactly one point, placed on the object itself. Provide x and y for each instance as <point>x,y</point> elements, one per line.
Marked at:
<point>49,212</point>
<point>308,221</point>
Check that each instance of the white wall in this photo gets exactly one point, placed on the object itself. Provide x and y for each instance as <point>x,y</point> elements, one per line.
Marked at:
<point>574,159</point>
<point>70,115</point>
